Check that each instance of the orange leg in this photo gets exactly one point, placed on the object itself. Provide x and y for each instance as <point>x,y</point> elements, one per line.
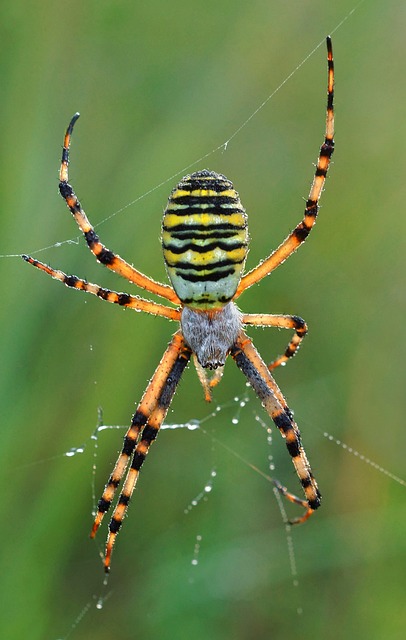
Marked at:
<point>254,368</point>
<point>282,322</point>
<point>300,233</point>
<point>144,428</point>
<point>104,255</point>
<point>122,299</point>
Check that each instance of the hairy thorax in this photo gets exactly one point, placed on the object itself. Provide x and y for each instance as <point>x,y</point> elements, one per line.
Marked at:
<point>211,334</point>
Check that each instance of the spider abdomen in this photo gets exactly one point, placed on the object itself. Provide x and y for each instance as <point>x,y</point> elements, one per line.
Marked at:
<point>205,240</point>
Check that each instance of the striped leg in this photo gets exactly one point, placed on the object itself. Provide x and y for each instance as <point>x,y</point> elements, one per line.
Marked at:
<point>158,394</point>
<point>251,364</point>
<point>282,322</point>
<point>123,299</point>
<point>103,255</point>
<point>300,233</point>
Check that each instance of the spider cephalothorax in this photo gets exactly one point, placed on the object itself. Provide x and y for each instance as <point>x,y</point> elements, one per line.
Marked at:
<point>211,334</point>
<point>205,243</point>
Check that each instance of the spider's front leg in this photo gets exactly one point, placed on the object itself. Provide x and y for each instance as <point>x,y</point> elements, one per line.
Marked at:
<point>281,322</point>
<point>257,373</point>
<point>302,230</point>
<point>105,256</point>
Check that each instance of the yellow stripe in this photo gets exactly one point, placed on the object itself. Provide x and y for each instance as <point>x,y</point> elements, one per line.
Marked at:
<point>200,259</point>
<point>237,219</point>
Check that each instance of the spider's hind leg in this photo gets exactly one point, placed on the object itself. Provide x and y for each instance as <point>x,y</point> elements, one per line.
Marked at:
<point>257,373</point>
<point>144,427</point>
<point>281,322</point>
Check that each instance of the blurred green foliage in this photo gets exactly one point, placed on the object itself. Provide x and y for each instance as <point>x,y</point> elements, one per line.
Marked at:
<point>159,85</point>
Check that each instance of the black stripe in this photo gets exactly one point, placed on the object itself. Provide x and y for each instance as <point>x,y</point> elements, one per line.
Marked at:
<point>71,281</point>
<point>205,248</point>
<point>139,418</point>
<point>195,213</point>
<point>197,181</point>
<point>103,505</point>
<point>205,300</point>
<point>197,201</point>
<point>66,190</point>
<point>211,277</point>
<point>113,483</point>
<point>312,209</point>
<point>173,379</point>
<point>301,233</point>
<point>283,421</point>
<point>330,99</point>
<point>123,299</point>
<point>115,525</point>
<point>195,235</point>
<point>187,266</point>
<point>105,256</point>
<point>327,148</point>
<point>128,446</point>
<point>294,448</point>
<point>138,461</point>
<point>300,325</point>
<point>91,237</point>
<point>149,433</point>
<point>102,293</point>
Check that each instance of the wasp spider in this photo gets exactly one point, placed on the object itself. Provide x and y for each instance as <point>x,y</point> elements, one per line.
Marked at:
<point>205,244</point>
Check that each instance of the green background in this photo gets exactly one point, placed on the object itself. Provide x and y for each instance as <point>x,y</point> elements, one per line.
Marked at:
<point>159,85</point>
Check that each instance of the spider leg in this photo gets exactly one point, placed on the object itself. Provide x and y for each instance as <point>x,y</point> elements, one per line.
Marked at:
<point>104,255</point>
<point>123,299</point>
<point>302,230</point>
<point>251,364</point>
<point>144,428</point>
<point>282,322</point>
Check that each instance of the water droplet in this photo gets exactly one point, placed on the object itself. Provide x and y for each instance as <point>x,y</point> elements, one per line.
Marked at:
<point>72,452</point>
<point>192,425</point>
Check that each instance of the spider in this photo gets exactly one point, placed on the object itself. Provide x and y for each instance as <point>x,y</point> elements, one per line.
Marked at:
<point>205,244</point>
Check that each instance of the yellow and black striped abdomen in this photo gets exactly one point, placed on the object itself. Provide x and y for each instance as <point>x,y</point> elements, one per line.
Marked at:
<point>205,240</point>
